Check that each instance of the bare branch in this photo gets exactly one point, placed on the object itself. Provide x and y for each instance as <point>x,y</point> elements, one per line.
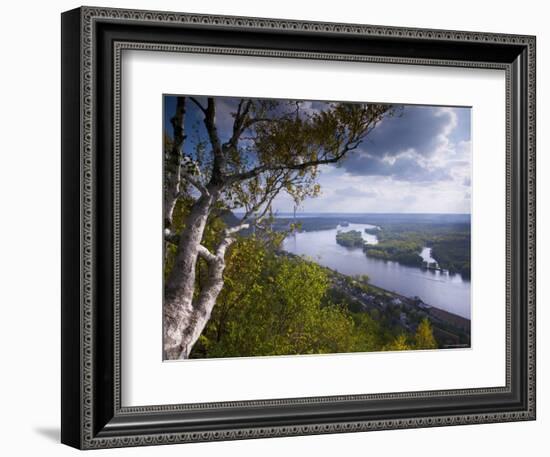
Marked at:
<point>206,254</point>
<point>210,124</point>
<point>196,183</point>
<point>228,239</point>
<point>196,102</point>
<point>172,161</point>
<point>267,207</point>
<point>268,198</point>
<point>237,228</point>
<point>239,124</point>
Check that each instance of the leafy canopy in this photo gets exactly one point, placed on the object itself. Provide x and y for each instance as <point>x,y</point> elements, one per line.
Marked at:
<point>264,147</point>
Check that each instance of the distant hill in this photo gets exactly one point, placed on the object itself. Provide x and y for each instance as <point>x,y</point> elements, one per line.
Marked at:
<point>381,218</point>
<point>229,218</point>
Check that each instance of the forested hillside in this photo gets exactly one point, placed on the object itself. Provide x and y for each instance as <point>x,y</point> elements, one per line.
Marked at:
<point>276,304</point>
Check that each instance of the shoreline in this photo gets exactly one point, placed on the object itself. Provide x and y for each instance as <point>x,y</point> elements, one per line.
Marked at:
<point>380,289</point>
<point>451,330</point>
<point>427,305</point>
<point>449,231</point>
<point>458,317</point>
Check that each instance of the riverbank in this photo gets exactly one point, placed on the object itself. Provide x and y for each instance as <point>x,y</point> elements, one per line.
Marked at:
<point>438,288</point>
<point>400,237</point>
<point>396,310</point>
<point>450,330</point>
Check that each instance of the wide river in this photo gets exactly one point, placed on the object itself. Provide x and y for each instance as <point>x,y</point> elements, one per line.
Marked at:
<point>436,288</point>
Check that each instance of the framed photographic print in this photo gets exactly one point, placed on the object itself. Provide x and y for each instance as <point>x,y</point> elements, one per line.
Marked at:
<point>274,227</point>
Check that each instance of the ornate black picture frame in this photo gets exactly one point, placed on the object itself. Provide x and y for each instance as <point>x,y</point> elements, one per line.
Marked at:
<point>92,42</point>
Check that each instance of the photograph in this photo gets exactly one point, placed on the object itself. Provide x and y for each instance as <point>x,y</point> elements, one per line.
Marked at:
<point>324,224</point>
<point>308,227</point>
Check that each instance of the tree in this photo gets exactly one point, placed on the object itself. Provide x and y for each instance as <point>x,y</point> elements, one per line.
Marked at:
<point>267,311</point>
<point>400,343</point>
<point>424,338</point>
<point>272,147</point>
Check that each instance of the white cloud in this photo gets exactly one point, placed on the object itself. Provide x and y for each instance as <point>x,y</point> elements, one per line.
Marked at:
<point>434,179</point>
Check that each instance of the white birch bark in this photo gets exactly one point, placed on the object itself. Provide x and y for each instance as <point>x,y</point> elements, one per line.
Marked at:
<point>179,313</point>
<point>186,316</point>
<point>186,313</point>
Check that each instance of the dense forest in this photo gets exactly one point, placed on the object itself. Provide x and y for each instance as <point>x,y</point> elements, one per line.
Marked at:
<point>353,238</point>
<point>404,251</point>
<point>402,242</point>
<point>452,252</point>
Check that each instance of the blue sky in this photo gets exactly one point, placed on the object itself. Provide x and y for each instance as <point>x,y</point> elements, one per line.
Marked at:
<point>418,160</point>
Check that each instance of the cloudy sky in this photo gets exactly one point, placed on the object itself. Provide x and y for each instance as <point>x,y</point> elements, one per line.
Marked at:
<point>418,161</point>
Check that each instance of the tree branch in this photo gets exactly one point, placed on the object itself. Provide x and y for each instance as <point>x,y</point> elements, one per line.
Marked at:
<point>267,199</point>
<point>171,237</point>
<point>237,228</point>
<point>172,161</point>
<point>206,254</point>
<point>239,124</point>
<point>196,183</point>
<point>219,158</point>
<point>346,141</point>
<point>196,102</point>
<point>267,206</point>
<point>244,121</point>
<point>300,166</point>
<point>228,239</point>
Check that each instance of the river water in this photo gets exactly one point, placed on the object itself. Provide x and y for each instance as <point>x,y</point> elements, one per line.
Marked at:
<point>436,288</point>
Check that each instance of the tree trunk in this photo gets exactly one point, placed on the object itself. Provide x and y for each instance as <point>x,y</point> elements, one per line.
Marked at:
<point>172,163</point>
<point>172,167</point>
<point>179,314</point>
<point>193,323</point>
